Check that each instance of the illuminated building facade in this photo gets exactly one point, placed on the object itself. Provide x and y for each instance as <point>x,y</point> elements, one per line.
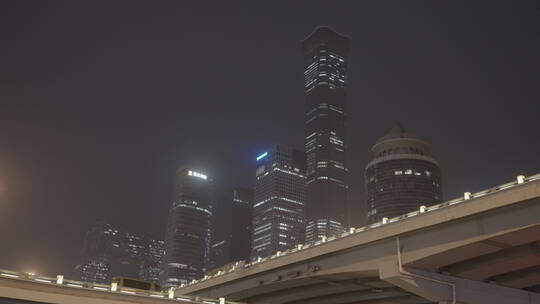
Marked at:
<point>150,261</point>
<point>231,236</point>
<point>325,70</point>
<point>315,230</point>
<point>110,252</point>
<point>279,204</point>
<point>402,176</point>
<point>187,239</point>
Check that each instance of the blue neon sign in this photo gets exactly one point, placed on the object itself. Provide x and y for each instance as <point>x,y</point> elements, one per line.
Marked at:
<point>262,156</point>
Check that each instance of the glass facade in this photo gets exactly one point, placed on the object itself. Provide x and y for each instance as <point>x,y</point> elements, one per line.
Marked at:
<point>325,70</point>
<point>402,177</point>
<point>279,204</point>
<point>187,239</point>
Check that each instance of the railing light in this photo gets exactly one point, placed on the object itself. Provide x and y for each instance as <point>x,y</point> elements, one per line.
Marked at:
<point>299,246</point>
<point>467,195</point>
<point>100,288</point>
<point>9,275</point>
<point>384,220</point>
<point>352,230</point>
<point>423,209</point>
<point>42,280</point>
<point>74,285</point>
<point>114,286</point>
<point>521,179</point>
<point>59,279</point>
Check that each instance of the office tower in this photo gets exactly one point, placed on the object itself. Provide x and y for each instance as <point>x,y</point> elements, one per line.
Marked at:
<point>316,230</point>
<point>242,224</point>
<point>402,176</point>
<point>187,239</point>
<point>231,235</point>
<point>278,212</point>
<point>220,254</point>
<point>150,261</point>
<point>109,251</point>
<point>325,70</point>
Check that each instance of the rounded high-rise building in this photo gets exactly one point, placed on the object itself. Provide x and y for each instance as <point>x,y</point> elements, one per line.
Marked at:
<point>402,176</point>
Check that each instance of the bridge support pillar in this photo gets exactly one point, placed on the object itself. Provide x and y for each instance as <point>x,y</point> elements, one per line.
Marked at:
<point>452,290</point>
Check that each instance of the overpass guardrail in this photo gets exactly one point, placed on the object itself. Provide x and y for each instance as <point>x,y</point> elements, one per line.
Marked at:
<point>113,288</point>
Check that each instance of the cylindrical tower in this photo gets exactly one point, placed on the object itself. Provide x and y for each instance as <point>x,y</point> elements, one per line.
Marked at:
<point>402,176</point>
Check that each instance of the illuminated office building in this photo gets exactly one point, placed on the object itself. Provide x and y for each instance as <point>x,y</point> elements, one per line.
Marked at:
<point>325,70</point>
<point>316,230</point>
<point>278,210</point>
<point>187,239</point>
<point>109,251</point>
<point>402,176</point>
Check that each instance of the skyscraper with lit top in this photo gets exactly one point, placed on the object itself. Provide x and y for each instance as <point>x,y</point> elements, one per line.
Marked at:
<point>279,202</point>
<point>325,72</point>
<point>187,239</point>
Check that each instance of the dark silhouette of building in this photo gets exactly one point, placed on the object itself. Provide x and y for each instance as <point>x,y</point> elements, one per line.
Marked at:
<point>232,229</point>
<point>242,224</point>
<point>278,210</point>
<point>110,252</point>
<point>187,239</point>
<point>325,70</point>
<point>402,176</point>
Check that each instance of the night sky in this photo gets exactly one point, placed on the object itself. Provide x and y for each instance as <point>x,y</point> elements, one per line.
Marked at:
<point>100,102</point>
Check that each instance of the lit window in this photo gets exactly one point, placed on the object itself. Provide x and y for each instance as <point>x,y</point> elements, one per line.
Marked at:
<point>398,172</point>
<point>408,171</point>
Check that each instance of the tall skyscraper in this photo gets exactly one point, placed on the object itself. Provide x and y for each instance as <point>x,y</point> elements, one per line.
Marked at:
<point>280,194</point>
<point>109,251</point>
<point>231,236</point>
<point>187,240</point>
<point>402,176</point>
<point>325,70</point>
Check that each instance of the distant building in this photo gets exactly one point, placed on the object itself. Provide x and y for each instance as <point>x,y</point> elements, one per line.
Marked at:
<point>151,260</point>
<point>325,70</point>
<point>279,205</point>
<point>316,230</point>
<point>232,229</point>
<point>220,254</point>
<point>242,224</point>
<point>187,240</point>
<point>110,252</point>
<point>402,176</point>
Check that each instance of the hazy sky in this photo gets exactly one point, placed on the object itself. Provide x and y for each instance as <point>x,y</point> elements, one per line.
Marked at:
<point>100,102</point>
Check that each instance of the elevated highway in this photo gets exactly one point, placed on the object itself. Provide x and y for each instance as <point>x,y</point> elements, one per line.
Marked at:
<point>24,288</point>
<point>480,248</point>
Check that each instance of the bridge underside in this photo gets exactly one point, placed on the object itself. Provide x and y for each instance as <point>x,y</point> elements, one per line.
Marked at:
<point>333,289</point>
<point>511,260</point>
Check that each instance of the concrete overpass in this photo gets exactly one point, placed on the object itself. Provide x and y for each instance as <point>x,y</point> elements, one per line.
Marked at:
<point>480,248</point>
<point>24,288</point>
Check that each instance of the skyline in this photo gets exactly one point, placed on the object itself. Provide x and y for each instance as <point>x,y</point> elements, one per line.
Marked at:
<point>45,134</point>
